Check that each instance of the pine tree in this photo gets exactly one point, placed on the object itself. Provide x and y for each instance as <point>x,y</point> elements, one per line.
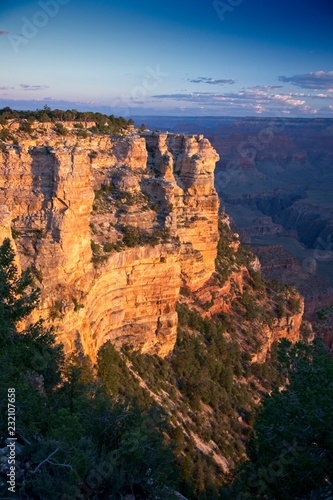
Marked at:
<point>17,298</point>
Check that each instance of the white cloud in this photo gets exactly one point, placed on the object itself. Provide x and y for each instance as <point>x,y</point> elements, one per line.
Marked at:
<point>212,81</point>
<point>25,86</point>
<point>258,99</point>
<point>317,80</point>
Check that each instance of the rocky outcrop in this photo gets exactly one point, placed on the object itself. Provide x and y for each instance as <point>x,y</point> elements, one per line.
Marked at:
<point>256,320</point>
<point>182,166</point>
<point>111,228</point>
<point>287,327</point>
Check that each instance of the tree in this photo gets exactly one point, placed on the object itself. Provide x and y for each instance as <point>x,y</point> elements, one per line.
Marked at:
<point>44,118</point>
<point>30,361</point>
<point>74,440</point>
<point>291,450</point>
<point>17,297</point>
<point>110,367</point>
<point>31,352</point>
<point>78,374</point>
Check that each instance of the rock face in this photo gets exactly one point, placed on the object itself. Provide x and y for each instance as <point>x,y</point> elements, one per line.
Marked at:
<point>287,327</point>
<point>213,299</point>
<point>112,228</point>
<point>182,165</point>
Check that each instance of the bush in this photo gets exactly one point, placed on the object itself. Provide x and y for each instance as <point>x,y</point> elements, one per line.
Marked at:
<point>15,233</point>
<point>44,118</point>
<point>5,135</point>
<point>56,309</point>
<point>77,305</point>
<point>60,129</point>
<point>95,247</point>
<point>26,127</point>
<point>108,247</point>
<point>294,304</point>
<point>131,236</point>
<point>83,133</point>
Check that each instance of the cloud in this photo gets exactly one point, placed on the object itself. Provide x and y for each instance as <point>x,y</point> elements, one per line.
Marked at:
<point>266,88</point>
<point>249,96</point>
<point>318,80</point>
<point>312,96</point>
<point>7,88</point>
<point>254,100</point>
<point>24,86</point>
<point>4,32</point>
<point>212,81</point>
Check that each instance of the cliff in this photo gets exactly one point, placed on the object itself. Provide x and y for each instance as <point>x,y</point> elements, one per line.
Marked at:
<point>115,227</point>
<point>112,227</point>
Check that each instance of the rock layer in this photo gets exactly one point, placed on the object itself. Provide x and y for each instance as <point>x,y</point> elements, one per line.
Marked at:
<point>70,207</point>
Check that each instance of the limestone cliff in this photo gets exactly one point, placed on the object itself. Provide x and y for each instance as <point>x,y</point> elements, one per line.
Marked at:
<point>112,227</point>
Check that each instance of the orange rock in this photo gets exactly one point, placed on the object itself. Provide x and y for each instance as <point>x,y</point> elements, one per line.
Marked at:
<point>47,186</point>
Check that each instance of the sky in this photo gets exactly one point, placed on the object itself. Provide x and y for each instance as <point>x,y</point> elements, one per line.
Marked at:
<point>180,57</point>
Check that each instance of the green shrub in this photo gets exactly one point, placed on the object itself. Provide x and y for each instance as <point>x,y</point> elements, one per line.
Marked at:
<point>15,233</point>
<point>60,129</point>
<point>77,305</point>
<point>82,133</point>
<point>56,309</point>
<point>131,236</point>
<point>95,247</point>
<point>5,135</point>
<point>294,304</point>
<point>108,247</point>
<point>26,127</point>
<point>155,206</point>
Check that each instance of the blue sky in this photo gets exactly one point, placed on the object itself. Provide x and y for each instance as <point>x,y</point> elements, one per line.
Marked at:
<point>232,57</point>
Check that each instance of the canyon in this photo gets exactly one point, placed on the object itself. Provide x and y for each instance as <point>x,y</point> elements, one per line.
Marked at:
<point>147,286</point>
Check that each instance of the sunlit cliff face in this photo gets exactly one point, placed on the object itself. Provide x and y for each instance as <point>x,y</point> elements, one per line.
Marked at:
<point>111,228</point>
